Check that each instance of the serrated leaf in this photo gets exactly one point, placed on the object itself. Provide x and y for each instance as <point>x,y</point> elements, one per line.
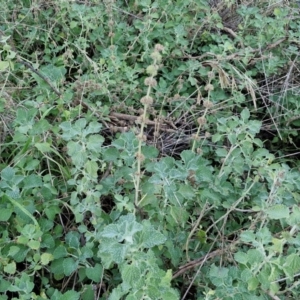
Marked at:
<point>130,274</point>
<point>255,257</point>
<point>292,262</point>
<point>80,124</point>
<point>278,211</point>
<point>111,154</point>
<point>94,143</point>
<point>112,251</point>
<point>117,293</point>
<point>111,231</point>
<point>150,237</point>
<point>93,127</point>
<point>150,151</point>
<point>166,280</point>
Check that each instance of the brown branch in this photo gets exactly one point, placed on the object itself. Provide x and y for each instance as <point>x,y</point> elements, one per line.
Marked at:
<point>37,72</point>
<point>197,262</point>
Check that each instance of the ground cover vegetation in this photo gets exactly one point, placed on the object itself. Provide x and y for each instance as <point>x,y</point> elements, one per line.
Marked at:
<point>149,149</point>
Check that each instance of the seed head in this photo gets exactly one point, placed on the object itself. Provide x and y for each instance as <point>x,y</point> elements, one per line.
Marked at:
<point>208,104</point>
<point>159,47</point>
<point>209,87</point>
<point>147,100</point>
<point>156,56</point>
<point>149,81</point>
<point>201,120</point>
<point>152,70</point>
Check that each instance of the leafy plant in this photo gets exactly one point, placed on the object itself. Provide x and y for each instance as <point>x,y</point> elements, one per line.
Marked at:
<point>148,150</point>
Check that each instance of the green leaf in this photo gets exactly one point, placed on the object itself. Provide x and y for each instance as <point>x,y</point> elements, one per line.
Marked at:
<point>46,258</point>
<point>130,274</point>
<point>94,127</point>
<point>95,273</point>
<point>86,252</point>
<point>123,230</point>
<point>278,211</point>
<point>186,191</point>
<point>43,147</point>
<point>8,174</point>
<point>292,264</point>
<point>294,218</point>
<point>57,268</point>
<point>166,280</point>
<point>5,214</point>
<point>241,257</point>
<point>10,268</point>
<point>217,137</point>
<point>13,250</point>
<point>94,143</point>
<point>150,151</point>
<point>69,266</point>
<point>69,131</point>
<point>70,295</point>
<point>32,181</point>
<point>221,152</point>
<point>4,286</point>
<point>60,252</point>
<point>91,168</point>
<point>248,236</point>
<point>4,65</point>
<point>245,114</point>
<point>53,73</point>
<point>150,237</point>
<point>48,241</point>
<point>77,152</point>
<point>253,284</point>
<point>72,239</point>
<point>111,154</point>
<point>112,251</point>
<point>255,257</point>
<point>35,245</point>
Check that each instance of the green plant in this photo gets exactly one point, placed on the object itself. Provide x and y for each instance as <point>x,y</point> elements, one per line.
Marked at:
<point>148,150</point>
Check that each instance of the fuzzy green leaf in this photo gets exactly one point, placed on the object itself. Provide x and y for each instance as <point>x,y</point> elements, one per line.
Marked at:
<point>150,237</point>
<point>277,212</point>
